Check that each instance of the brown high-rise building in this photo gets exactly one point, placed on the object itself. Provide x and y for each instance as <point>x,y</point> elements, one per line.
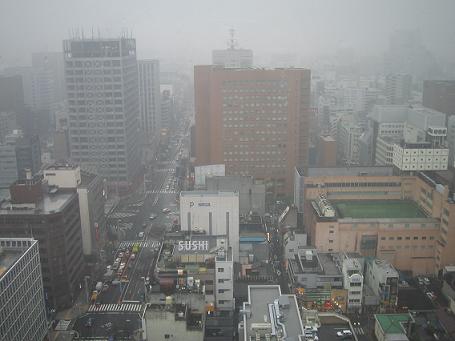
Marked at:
<point>254,121</point>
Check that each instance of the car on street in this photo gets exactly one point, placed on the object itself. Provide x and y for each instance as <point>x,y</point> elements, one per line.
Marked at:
<point>431,295</point>
<point>152,216</point>
<point>141,235</point>
<point>345,334</point>
<point>166,210</point>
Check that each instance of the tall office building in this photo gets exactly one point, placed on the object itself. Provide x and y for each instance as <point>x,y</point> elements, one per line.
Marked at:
<point>102,90</point>
<point>439,95</point>
<point>254,121</point>
<point>22,309</point>
<point>150,98</point>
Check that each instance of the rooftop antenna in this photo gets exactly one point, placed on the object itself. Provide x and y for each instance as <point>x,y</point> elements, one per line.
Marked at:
<point>232,43</point>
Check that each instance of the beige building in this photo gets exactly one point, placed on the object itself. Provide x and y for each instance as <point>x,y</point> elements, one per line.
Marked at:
<point>406,220</point>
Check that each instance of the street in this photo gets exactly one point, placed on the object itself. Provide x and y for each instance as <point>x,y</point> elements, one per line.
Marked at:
<point>136,255</point>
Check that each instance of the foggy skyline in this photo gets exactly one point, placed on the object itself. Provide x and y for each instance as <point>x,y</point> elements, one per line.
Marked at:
<point>187,31</point>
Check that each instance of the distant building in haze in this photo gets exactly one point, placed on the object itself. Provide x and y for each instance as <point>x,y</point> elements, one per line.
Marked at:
<point>150,98</point>
<point>398,88</point>
<point>233,57</point>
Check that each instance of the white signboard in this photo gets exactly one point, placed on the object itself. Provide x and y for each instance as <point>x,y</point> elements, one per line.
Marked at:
<point>193,245</point>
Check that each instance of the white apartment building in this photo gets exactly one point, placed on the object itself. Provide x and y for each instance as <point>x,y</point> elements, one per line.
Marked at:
<point>352,270</point>
<point>409,138</point>
<point>419,156</point>
<point>215,213</point>
<point>382,278</point>
<point>224,281</point>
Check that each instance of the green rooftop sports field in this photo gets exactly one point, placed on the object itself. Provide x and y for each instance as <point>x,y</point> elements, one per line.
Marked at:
<point>378,209</point>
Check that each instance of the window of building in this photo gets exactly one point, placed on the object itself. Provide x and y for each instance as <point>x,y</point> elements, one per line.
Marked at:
<point>220,269</point>
<point>415,238</point>
<point>330,241</point>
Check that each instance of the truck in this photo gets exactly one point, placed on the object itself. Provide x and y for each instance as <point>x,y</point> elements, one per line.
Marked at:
<point>99,286</point>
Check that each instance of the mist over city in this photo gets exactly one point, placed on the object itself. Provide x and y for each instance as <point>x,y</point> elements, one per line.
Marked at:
<point>227,170</point>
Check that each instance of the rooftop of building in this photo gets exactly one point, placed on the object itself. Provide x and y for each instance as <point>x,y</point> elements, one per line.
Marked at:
<point>378,209</point>
<point>61,166</point>
<point>175,322</point>
<point>87,178</point>
<point>51,202</point>
<point>259,298</point>
<point>202,194</point>
<point>11,249</point>
<point>433,178</point>
<point>328,138</point>
<point>308,260</point>
<point>347,171</point>
<point>102,325</point>
<point>384,265</point>
<point>393,323</point>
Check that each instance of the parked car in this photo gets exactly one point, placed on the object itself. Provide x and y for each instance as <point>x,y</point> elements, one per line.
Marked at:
<point>166,210</point>
<point>141,235</point>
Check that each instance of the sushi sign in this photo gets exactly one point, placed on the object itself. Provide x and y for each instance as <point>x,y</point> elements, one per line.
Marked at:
<point>193,245</point>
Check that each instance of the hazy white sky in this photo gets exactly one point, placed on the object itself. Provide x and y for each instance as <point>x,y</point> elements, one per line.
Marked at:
<point>187,30</point>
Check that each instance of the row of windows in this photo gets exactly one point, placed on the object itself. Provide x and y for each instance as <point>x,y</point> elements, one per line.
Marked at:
<point>354,184</point>
<point>91,94</point>
<point>228,117</point>
<point>103,80</point>
<point>237,97</point>
<point>93,71</point>
<point>100,109</point>
<point>89,63</point>
<point>255,105</point>
<point>399,247</point>
<point>92,103</point>
<point>408,238</point>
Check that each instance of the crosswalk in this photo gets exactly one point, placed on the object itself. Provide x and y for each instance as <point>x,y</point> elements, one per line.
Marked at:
<point>142,243</point>
<point>359,330</point>
<point>128,307</point>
